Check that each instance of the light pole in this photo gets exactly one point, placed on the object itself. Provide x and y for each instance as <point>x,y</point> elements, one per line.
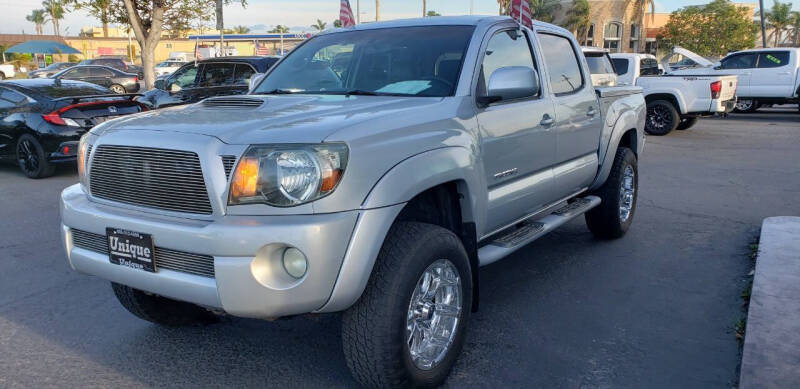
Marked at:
<point>377,10</point>
<point>358,11</point>
<point>763,28</point>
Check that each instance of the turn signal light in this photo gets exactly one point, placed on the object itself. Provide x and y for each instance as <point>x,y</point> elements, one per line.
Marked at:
<point>245,178</point>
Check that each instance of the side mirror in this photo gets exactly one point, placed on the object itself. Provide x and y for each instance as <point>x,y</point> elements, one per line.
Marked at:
<point>718,66</point>
<point>255,79</point>
<point>159,84</point>
<point>174,88</point>
<point>512,82</point>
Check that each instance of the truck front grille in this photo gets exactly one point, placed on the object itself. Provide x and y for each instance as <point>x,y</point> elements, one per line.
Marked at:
<point>170,180</point>
<point>181,261</point>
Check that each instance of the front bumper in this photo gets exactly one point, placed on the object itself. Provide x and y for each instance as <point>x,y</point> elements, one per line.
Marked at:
<point>248,278</point>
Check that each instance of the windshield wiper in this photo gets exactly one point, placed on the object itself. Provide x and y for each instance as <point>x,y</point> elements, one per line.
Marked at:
<point>361,92</point>
<point>280,92</point>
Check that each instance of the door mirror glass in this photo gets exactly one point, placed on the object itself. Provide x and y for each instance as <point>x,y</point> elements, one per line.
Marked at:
<point>513,82</point>
<point>174,88</point>
<point>254,80</point>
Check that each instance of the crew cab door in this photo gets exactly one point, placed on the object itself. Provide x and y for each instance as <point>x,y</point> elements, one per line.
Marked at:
<point>774,74</point>
<point>518,146</point>
<point>741,65</point>
<point>578,120</point>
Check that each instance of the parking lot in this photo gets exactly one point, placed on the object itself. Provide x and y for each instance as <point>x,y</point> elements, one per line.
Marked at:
<point>657,308</point>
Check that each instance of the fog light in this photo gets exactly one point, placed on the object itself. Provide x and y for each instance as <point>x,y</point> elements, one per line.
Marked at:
<point>294,262</point>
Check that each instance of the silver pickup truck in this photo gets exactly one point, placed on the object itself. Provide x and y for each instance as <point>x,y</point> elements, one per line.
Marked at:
<point>373,170</point>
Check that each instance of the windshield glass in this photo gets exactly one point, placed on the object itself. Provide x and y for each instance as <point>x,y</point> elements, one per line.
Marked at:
<point>408,61</point>
<point>598,64</point>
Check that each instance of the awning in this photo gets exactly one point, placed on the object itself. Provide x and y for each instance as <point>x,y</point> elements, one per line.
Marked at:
<point>42,47</point>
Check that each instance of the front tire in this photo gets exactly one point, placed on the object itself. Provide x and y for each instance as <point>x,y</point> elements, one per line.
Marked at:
<point>408,327</point>
<point>32,159</point>
<point>687,123</point>
<point>118,89</point>
<point>161,310</point>
<point>613,217</point>
<point>662,118</point>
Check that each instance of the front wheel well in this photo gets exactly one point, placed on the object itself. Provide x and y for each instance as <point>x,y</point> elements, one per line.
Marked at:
<point>628,139</point>
<point>446,205</point>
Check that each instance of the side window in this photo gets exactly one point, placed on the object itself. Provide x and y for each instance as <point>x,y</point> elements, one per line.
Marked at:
<point>773,59</point>
<point>649,67</point>
<point>562,64</point>
<point>620,65</point>
<point>184,77</point>
<point>10,99</point>
<point>243,74</point>
<point>77,72</point>
<point>217,74</point>
<point>506,48</point>
<point>741,61</point>
<point>100,72</point>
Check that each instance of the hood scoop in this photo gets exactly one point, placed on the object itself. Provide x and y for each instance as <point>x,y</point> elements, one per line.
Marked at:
<point>233,102</point>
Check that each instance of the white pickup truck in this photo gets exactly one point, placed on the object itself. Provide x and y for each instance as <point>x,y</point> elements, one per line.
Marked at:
<point>766,76</point>
<point>6,71</point>
<point>675,101</point>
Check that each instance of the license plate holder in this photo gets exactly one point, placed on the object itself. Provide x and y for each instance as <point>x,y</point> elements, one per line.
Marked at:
<point>130,248</point>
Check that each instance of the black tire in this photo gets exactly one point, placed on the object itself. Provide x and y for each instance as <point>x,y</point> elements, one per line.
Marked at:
<point>687,123</point>
<point>742,106</point>
<point>2,76</point>
<point>161,310</point>
<point>662,117</point>
<point>374,336</point>
<point>32,159</point>
<point>116,88</point>
<point>606,221</point>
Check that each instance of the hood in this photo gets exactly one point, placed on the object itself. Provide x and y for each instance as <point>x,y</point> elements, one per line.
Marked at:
<point>272,119</point>
<point>688,54</point>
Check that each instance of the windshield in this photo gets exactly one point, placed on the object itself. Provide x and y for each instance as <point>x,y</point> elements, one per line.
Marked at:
<point>598,64</point>
<point>408,61</point>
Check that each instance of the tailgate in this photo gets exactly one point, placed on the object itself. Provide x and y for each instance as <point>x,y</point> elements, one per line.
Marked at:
<point>729,84</point>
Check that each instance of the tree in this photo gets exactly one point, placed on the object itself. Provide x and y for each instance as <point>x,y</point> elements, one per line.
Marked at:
<point>100,10</point>
<point>319,25</point>
<point>424,8</point>
<point>279,29</point>
<point>639,7</point>
<point>54,9</point>
<point>433,13</point>
<point>578,19</point>
<point>37,17</point>
<point>796,27</point>
<point>504,6</point>
<point>714,29</point>
<point>240,30</point>
<point>779,18</point>
<point>337,23</point>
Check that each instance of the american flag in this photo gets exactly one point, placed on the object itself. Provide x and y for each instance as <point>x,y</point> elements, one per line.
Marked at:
<point>346,14</point>
<point>261,49</point>
<point>521,12</point>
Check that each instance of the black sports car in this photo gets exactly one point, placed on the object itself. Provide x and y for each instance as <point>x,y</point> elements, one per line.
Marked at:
<point>116,80</point>
<point>42,120</point>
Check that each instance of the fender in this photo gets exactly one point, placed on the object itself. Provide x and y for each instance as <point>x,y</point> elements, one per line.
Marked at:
<point>630,119</point>
<point>676,93</point>
<point>385,201</point>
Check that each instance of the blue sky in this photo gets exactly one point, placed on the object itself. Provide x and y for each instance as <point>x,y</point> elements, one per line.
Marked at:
<point>298,14</point>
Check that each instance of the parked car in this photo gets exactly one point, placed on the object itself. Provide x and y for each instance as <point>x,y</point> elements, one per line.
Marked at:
<point>766,76</point>
<point>7,71</point>
<point>450,143</point>
<point>50,70</point>
<point>41,120</point>
<point>117,81</point>
<point>116,63</point>
<point>603,73</point>
<point>211,77</point>
<point>675,101</point>
<point>168,67</point>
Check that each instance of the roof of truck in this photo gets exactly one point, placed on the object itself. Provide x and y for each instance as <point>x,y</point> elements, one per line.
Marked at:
<point>467,20</point>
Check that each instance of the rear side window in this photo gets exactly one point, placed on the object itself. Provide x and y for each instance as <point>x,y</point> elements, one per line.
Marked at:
<point>100,72</point>
<point>621,65</point>
<point>562,64</point>
<point>773,59</point>
<point>9,98</point>
<point>649,67</point>
<point>740,61</point>
<point>599,64</point>
<point>243,74</point>
<point>506,48</point>
<point>217,74</point>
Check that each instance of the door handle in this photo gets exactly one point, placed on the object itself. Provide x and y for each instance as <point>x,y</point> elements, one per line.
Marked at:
<point>591,112</point>
<point>547,120</point>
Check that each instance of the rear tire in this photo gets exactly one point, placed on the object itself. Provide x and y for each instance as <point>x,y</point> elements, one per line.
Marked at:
<point>662,118</point>
<point>687,123</point>
<point>400,311</point>
<point>161,310</point>
<point>2,76</point>
<point>32,159</point>
<point>746,106</point>
<point>613,217</point>
<point>118,89</point>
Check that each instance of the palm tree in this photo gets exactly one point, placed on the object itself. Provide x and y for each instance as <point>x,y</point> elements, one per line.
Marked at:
<point>279,29</point>
<point>319,25</point>
<point>544,9</point>
<point>779,18</point>
<point>241,29</point>
<point>37,17</point>
<point>424,8</point>
<point>796,27</point>
<point>54,9</point>
<point>504,5</point>
<point>639,7</point>
<point>578,19</point>
<point>337,23</point>
<point>433,13</point>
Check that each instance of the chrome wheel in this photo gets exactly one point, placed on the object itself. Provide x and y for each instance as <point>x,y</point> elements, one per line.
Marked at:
<point>117,89</point>
<point>28,156</point>
<point>627,191</point>
<point>744,105</point>
<point>433,314</point>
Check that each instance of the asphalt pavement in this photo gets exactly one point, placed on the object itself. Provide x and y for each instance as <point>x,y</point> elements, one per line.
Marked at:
<point>656,308</point>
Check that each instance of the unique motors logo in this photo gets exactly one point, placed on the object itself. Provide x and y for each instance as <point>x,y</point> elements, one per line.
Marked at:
<point>112,109</point>
<point>129,250</point>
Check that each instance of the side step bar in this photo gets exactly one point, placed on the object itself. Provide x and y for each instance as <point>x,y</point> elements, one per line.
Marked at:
<point>530,230</point>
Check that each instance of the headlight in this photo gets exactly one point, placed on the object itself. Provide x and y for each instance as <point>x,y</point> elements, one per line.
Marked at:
<point>82,160</point>
<point>287,175</point>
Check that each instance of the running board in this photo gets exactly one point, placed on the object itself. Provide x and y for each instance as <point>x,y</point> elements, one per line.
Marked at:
<point>530,230</point>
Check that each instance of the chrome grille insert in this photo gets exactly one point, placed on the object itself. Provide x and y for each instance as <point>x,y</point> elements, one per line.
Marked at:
<point>181,261</point>
<point>170,180</point>
<point>233,102</point>
<point>227,162</point>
